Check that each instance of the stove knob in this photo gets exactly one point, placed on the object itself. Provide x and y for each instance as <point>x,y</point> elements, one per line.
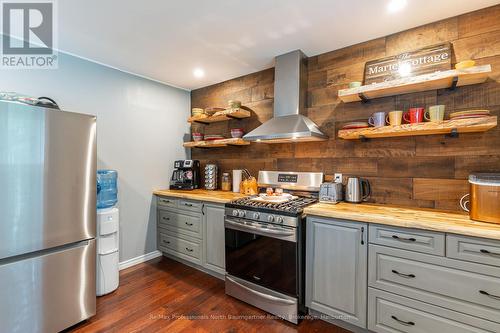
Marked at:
<point>256,216</point>
<point>241,213</point>
<point>235,212</point>
<point>279,219</point>
<point>270,218</point>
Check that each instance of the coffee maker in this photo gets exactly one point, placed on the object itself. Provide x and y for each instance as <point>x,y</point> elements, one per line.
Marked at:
<point>186,175</point>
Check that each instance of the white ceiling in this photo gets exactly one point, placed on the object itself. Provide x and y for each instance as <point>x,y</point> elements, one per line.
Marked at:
<point>165,40</point>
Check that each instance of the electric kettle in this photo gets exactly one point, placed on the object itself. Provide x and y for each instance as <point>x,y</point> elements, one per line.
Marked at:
<point>357,190</point>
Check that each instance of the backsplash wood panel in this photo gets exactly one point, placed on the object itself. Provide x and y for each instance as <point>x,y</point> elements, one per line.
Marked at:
<point>428,171</point>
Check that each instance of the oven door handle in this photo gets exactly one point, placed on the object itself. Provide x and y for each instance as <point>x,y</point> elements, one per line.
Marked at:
<point>265,296</point>
<point>260,230</point>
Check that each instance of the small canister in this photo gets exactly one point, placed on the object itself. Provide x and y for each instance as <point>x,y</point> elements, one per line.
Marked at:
<point>226,182</point>
<point>484,202</point>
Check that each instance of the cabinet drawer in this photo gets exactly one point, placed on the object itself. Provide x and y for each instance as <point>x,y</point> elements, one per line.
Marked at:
<point>408,239</point>
<point>454,284</point>
<point>167,202</point>
<point>483,251</point>
<point>188,250</point>
<point>389,313</point>
<point>183,223</point>
<point>194,206</point>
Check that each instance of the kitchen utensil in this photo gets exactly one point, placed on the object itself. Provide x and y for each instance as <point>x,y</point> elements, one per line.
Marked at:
<point>226,182</point>
<point>331,193</point>
<point>355,125</point>
<point>357,190</point>
<point>237,175</point>
<point>377,119</point>
<point>414,115</point>
<point>197,111</point>
<point>435,113</point>
<point>465,64</point>
<point>249,184</point>
<point>197,137</point>
<point>211,176</point>
<point>394,118</point>
<point>237,132</point>
<point>484,197</point>
<point>354,84</point>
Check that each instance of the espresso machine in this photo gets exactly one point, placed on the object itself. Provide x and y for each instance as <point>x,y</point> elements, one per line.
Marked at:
<point>186,175</point>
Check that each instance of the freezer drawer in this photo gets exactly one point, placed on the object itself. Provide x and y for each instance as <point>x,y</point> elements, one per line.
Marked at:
<point>48,293</point>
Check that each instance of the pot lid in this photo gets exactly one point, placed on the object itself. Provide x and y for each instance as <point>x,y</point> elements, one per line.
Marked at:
<point>490,179</point>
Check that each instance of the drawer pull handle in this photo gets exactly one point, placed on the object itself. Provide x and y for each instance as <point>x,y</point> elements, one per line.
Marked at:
<point>166,242</point>
<point>188,249</point>
<point>489,252</point>
<point>406,323</point>
<point>188,204</point>
<point>189,224</point>
<point>408,276</point>
<point>165,201</point>
<point>489,295</point>
<point>404,239</point>
<point>166,218</point>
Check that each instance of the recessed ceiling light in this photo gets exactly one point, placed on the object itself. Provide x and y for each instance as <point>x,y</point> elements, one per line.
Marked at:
<point>395,5</point>
<point>198,73</point>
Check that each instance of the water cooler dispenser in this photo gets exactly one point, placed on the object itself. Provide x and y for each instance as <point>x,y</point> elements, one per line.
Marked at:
<point>107,272</point>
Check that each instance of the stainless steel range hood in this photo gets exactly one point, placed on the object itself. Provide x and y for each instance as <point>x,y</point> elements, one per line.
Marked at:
<point>289,123</point>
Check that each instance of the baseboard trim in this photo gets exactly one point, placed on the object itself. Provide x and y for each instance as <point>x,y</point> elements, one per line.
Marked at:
<point>140,259</point>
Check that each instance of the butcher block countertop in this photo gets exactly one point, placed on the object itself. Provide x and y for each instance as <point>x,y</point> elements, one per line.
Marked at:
<point>201,195</point>
<point>426,219</point>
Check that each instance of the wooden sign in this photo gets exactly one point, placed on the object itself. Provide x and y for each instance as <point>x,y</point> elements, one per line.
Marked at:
<point>422,61</point>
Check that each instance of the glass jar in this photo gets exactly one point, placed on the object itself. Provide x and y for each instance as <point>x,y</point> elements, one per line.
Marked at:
<point>226,182</point>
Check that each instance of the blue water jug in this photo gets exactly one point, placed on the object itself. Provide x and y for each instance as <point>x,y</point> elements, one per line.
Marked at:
<point>107,192</point>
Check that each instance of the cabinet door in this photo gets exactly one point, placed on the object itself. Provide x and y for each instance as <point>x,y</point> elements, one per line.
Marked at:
<point>214,241</point>
<point>336,269</point>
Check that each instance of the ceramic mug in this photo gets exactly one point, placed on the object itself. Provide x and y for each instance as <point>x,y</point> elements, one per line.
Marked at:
<point>394,118</point>
<point>377,119</point>
<point>414,115</point>
<point>435,113</point>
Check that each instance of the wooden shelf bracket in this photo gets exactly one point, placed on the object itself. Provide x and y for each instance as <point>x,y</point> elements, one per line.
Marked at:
<point>454,83</point>
<point>363,138</point>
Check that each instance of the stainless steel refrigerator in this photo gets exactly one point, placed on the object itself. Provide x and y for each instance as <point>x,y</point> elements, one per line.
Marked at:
<point>47,218</point>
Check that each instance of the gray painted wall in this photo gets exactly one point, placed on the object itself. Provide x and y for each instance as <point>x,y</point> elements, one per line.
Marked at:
<point>140,129</point>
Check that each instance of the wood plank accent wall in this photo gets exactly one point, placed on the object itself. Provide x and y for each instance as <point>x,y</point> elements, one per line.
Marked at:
<point>428,171</point>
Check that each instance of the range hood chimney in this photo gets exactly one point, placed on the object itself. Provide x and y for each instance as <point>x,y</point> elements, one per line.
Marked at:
<point>289,124</point>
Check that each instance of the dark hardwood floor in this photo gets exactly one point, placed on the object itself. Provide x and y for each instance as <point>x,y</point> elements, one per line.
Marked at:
<point>163,295</point>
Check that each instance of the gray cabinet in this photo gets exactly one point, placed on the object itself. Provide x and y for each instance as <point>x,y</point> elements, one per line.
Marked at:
<point>391,313</point>
<point>336,269</point>
<point>192,231</point>
<point>214,240</point>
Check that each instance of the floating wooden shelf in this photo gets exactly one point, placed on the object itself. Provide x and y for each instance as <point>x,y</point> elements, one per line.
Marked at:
<point>448,126</point>
<point>220,116</point>
<point>437,80</point>
<point>216,143</point>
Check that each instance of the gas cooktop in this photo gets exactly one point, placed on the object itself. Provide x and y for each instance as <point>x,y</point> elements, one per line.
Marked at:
<point>292,207</point>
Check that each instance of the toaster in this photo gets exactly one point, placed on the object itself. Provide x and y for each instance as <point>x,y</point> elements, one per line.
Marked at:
<point>331,193</point>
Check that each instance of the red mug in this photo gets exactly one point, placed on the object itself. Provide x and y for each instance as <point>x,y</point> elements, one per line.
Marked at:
<point>414,115</point>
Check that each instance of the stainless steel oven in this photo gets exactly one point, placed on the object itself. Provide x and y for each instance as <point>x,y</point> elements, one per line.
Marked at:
<point>262,264</point>
<point>265,243</point>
